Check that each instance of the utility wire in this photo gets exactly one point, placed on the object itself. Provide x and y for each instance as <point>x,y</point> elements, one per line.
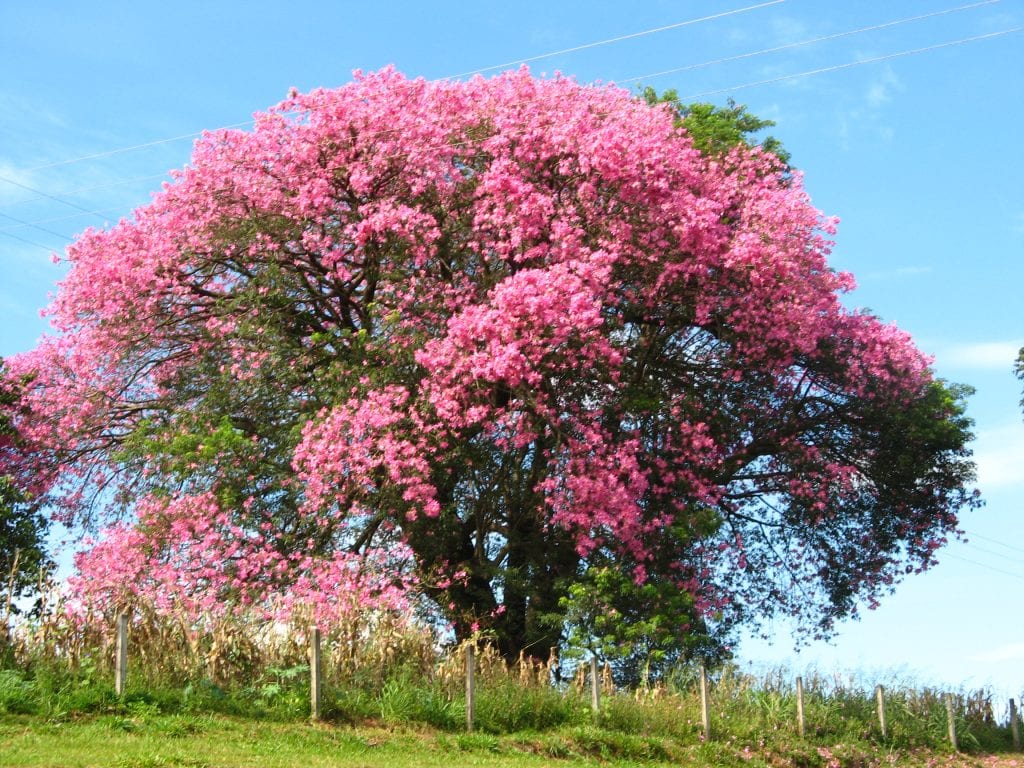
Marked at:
<point>46,248</point>
<point>42,194</point>
<point>705,93</point>
<point>1012,558</point>
<point>121,150</point>
<point>693,66</point>
<point>872,60</point>
<point>989,539</point>
<point>90,188</point>
<point>23,223</point>
<point>609,41</point>
<point>618,39</point>
<point>824,38</point>
<point>986,567</point>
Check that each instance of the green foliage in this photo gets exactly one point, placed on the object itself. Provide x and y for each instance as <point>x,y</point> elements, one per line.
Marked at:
<point>477,742</point>
<point>283,691</point>
<point>1019,369</point>
<point>509,707</point>
<point>717,130</point>
<point>24,562</point>
<point>204,696</point>
<point>350,705</point>
<point>17,695</point>
<point>612,745</point>
<point>403,701</point>
<point>643,630</point>
<point>753,723</point>
<point>61,693</point>
<point>753,717</point>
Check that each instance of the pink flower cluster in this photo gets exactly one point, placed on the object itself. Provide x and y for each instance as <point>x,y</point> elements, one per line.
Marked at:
<point>185,557</point>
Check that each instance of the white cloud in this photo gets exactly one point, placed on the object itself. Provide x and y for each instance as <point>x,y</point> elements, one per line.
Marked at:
<point>12,184</point>
<point>999,455</point>
<point>1003,653</point>
<point>861,113</point>
<point>988,355</point>
<point>788,29</point>
<point>26,111</point>
<point>880,91</point>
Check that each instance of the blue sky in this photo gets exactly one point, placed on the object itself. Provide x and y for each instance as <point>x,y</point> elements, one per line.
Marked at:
<point>919,154</point>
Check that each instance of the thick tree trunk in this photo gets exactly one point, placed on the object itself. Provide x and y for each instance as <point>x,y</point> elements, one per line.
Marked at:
<point>540,565</point>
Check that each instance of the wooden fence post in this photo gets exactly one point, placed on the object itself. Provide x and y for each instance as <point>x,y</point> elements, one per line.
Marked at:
<point>470,685</point>
<point>1015,725</point>
<point>595,686</point>
<point>951,717</point>
<point>883,722</point>
<point>800,723</point>
<point>121,668</point>
<point>315,674</point>
<point>705,704</point>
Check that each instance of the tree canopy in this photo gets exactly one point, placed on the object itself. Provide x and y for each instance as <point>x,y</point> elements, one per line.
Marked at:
<point>716,131</point>
<point>23,556</point>
<point>515,341</point>
<point>1019,369</point>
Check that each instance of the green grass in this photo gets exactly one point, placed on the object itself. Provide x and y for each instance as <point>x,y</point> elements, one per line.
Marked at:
<point>147,739</point>
<point>217,740</point>
<point>53,716</point>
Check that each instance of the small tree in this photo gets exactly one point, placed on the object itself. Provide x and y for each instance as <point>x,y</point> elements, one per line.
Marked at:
<point>24,561</point>
<point>1019,368</point>
<point>717,131</point>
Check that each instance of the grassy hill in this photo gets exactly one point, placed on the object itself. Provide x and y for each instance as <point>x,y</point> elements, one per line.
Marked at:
<point>141,739</point>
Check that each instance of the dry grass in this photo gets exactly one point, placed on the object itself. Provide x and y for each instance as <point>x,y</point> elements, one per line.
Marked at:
<point>383,666</point>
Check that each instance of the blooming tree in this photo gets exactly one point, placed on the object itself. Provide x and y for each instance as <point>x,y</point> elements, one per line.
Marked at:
<point>491,337</point>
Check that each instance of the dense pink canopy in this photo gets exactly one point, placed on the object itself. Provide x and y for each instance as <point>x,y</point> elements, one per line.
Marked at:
<point>515,324</point>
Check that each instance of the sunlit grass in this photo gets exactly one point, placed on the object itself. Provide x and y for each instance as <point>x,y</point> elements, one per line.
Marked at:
<point>196,742</point>
<point>393,698</point>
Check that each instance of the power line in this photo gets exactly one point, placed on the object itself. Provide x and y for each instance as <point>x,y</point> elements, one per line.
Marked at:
<point>994,541</point>
<point>41,193</point>
<point>824,38</point>
<point>90,188</point>
<point>693,66</point>
<point>46,248</point>
<point>157,142</point>
<point>872,60</point>
<point>95,212</point>
<point>121,150</point>
<point>35,226</point>
<point>705,93</point>
<point>986,567</point>
<point>1001,555</point>
<point>615,39</point>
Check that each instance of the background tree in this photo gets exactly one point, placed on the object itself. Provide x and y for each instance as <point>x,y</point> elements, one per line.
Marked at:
<point>523,329</point>
<point>715,130</point>
<point>1019,368</point>
<point>24,561</point>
